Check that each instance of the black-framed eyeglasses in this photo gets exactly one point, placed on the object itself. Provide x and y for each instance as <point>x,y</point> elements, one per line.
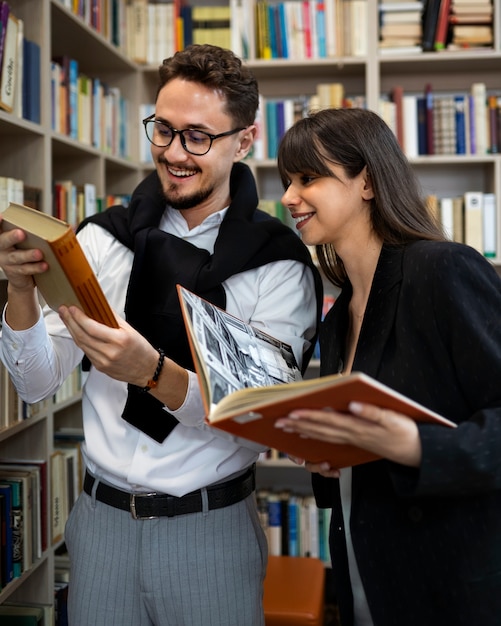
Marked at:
<point>196,142</point>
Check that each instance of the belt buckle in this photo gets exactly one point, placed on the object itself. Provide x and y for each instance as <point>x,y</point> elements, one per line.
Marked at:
<point>133,510</point>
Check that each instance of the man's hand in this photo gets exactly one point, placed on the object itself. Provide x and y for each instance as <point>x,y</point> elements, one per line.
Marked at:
<point>124,354</point>
<point>19,267</point>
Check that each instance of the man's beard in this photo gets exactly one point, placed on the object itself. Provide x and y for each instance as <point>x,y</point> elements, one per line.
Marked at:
<point>188,202</point>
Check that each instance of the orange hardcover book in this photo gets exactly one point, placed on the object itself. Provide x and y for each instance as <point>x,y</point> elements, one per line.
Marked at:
<point>250,379</point>
<point>70,279</point>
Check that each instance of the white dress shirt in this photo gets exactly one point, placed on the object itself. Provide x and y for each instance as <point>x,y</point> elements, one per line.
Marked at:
<point>278,298</point>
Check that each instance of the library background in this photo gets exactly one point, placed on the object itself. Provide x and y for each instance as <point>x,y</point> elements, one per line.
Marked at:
<point>77,77</point>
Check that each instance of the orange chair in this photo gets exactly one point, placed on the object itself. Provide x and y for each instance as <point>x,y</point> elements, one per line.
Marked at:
<point>294,591</point>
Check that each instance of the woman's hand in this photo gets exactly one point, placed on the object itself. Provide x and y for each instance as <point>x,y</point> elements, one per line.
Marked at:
<point>316,468</point>
<point>386,433</point>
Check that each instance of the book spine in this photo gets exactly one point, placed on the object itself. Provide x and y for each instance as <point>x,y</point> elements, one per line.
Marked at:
<point>489,225</point>
<point>31,81</point>
<point>4,17</point>
<point>294,530</point>
<point>271,128</point>
<point>72,259</point>
<point>274,525</point>
<point>321,30</point>
<point>9,66</point>
<point>460,123</point>
<point>410,121</point>
<point>478,91</point>
<point>430,26</point>
<point>17,530</point>
<point>7,565</point>
<point>308,49</point>
<point>493,124</point>
<point>421,122</point>
<point>447,217</point>
<point>397,95</point>
<point>429,119</point>
<point>73,98</point>
<point>473,220</point>
<point>442,25</point>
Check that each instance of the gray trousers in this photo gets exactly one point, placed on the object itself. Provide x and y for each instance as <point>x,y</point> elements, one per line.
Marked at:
<point>191,570</point>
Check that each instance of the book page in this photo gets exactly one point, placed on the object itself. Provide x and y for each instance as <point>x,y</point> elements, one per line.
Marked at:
<point>236,355</point>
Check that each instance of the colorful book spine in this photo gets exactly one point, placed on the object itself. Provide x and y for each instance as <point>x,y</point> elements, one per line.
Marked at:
<point>31,81</point>
<point>274,525</point>
<point>10,65</point>
<point>7,565</point>
<point>4,16</point>
<point>489,221</point>
<point>294,508</point>
<point>460,104</point>
<point>17,528</point>
<point>73,98</point>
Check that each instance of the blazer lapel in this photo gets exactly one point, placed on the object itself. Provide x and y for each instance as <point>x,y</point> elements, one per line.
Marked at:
<point>380,312</point>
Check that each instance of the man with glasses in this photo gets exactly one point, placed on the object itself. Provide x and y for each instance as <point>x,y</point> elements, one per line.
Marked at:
<point>166,531</point>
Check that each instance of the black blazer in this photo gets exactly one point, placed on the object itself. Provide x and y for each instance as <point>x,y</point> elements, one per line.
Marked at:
<point>427,540</point>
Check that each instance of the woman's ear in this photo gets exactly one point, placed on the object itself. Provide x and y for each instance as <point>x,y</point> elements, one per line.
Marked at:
<point>367,192</point>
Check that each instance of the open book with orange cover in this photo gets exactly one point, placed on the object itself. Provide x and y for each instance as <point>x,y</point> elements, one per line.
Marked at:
<point>70,279</point>
<point>250,379</point>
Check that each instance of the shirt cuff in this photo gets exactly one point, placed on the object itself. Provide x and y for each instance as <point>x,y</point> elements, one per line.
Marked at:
<point>24,342</point>
<point>192,411</point>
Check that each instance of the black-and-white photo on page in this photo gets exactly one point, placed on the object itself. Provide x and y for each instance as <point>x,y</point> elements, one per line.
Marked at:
<point>236,354</point>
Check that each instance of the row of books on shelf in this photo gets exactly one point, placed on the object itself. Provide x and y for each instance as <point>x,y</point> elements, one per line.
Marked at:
<point>19,67</point>
<point>27,614</point>
<point>149,31</point>
<point>67,472</point>
<point>435,25</point>
<point>293,524</point>
<point>72,202</point>
<point>293,29</point>
<point>71,387</point>
<point>106,17</point>
<point>156,30</point>
<point>470,218</point>
<point>310,29</point>
<point>87,109</point>
<point>61,584</point>
<point>25,534</point>
<point>467,123</point>
<point>12,409</point>
<point>276,115</point>
<point>426,123</point>
<point>24,490</point>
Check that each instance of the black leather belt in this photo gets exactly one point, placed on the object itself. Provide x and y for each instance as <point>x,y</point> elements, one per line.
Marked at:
<point>152,505</point>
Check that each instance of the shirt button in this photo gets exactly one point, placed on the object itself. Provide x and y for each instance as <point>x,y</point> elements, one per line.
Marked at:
<point>144,448</point>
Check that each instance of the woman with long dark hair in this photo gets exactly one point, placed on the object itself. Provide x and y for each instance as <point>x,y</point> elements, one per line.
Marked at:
<point>415,537</point>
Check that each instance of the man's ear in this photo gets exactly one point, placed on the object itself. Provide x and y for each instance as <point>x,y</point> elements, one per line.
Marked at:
<point>367,192</point>
<point>246,142</point>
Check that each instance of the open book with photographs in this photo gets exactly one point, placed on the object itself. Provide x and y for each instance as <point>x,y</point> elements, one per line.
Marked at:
<point>249,379</point>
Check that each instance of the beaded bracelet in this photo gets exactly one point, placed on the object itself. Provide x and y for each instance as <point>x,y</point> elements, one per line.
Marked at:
<point>153,382</point>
